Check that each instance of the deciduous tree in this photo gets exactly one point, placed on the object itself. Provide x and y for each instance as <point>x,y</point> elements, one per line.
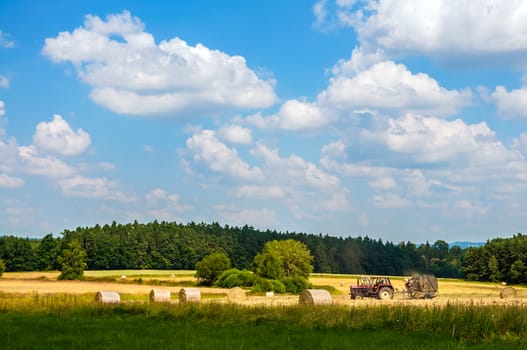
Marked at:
<point>211,267</point>
<point>72,262</point>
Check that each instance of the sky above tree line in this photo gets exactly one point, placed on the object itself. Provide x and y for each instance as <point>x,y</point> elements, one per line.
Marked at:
<point>396,119</point>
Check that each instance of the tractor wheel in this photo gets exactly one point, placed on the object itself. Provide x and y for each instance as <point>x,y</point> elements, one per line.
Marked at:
<point>385,293</point>
<point>359,297</point>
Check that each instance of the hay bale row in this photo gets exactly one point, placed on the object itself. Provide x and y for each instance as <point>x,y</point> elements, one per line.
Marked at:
<point>189,295</point>
<point>314,297</point>
<point>160,296</point>
<point>107,297</point>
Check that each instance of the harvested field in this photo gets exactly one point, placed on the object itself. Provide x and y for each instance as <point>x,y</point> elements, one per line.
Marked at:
<point>450,290</point>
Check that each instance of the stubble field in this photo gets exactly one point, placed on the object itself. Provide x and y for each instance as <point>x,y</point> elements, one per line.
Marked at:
<point>139,283</point>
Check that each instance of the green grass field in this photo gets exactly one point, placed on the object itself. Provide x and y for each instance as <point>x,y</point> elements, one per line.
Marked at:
<point>76,322</point>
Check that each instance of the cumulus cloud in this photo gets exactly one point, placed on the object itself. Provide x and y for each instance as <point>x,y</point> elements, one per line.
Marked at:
<point>390,86</point>
<point>293,115</point>
<point>101,188</point>
<point>7,181</point>
<point>289,180</point>
<point>439,27</point>
<point>359,61</point>
<point>206,149</point>
<point>235,134</point>
<point>131,74</point>
<point>2,108</point>
<point>511,104</point>
<point>432,140</point>
<point>335,159</point>
<point>57,136</point>
<point>294,169</point>
<point>34,163</point>
<point>5,42</point>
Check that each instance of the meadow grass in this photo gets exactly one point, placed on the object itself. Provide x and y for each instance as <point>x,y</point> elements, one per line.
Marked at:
<point>67,321</point>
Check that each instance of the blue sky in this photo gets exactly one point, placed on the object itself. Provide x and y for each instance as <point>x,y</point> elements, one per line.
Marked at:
<point>401,120</point>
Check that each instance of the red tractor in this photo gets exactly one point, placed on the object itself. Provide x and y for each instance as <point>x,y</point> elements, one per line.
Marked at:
<point>373,287</point>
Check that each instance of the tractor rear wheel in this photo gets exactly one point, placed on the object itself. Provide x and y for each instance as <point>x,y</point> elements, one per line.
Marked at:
<point>385,293</point>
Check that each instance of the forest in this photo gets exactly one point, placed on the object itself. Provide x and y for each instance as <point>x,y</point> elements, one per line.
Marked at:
<point>172,245</point>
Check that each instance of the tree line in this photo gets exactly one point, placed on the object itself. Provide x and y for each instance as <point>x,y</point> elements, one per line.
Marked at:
<point>172,245</point>
<point>500,259</point>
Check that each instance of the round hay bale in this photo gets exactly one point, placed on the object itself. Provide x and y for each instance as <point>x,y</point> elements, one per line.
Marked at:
<point>269,294</point>
<point>508,293</point>
<point>106,297</point>
<point>236,294</point>
<point>160,296</point>
<point>189,295</point>
<point>314,297</point>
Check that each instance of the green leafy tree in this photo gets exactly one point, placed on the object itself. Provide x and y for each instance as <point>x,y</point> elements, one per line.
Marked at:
<point>494,271</point>
<point>2,267</point>
<point>211,267</point>
<point>73,262</point>
<point>293,256</point>
<point>269,265</point>
<point>518,271</point>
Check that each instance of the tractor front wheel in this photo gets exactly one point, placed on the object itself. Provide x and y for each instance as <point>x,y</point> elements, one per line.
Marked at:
<point>385,293</point>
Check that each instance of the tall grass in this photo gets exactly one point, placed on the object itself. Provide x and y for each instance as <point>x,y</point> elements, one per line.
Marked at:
<point>464,323</point>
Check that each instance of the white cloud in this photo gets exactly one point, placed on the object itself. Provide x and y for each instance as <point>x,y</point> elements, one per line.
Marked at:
<point>4,82</point>
<point>337,201</point>
<point>390,86</point>
<point>58,137</point>
<point>34,163</point>
<point>520,144</point>
<point>164,206</point>
<point>440,27</point>
<point>134,75</point>
<point>2,108</point>
<point>293,115</point>
<point>335,159</point>
<point>384,183</point>
<point>320,12</point>
<point>467,209</point>
<point>390,200</point>
<point>101,188</point>
<point>432,140</point>
<point>294,169</point>
<point>7,181</point>
<point>8,153</point>
<point>236,134</point>
<point>208,150</point>
<point>359,61</point>
<point>511,104</point>
<point>5,42</point>
<point>262,191</point>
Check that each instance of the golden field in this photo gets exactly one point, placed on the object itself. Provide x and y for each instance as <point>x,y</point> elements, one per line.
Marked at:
<point>126,282</point>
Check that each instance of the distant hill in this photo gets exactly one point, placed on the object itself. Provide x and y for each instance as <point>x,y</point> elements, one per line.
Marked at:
<point>464,245</point>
